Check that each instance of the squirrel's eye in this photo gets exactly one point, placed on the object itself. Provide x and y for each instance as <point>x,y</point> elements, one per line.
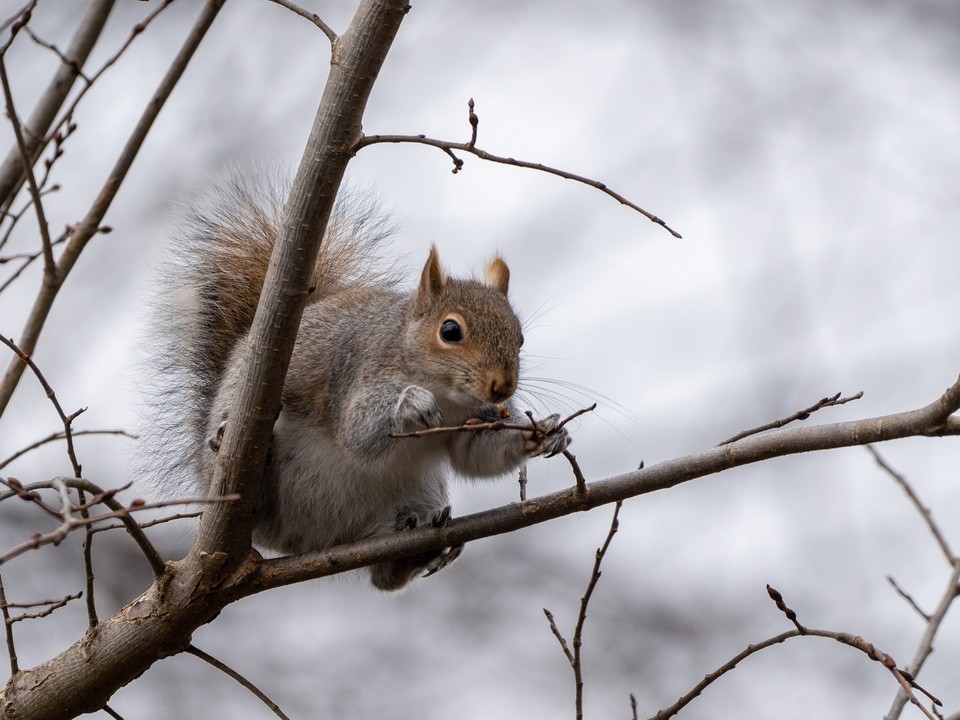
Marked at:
<point>521,339</point>
<point>450,331</point>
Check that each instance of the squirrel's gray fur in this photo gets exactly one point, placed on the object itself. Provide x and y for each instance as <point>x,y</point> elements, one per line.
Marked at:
<point>369,360</point>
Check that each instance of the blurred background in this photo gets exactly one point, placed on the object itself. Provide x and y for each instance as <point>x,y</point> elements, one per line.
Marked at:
<point>808,153</point>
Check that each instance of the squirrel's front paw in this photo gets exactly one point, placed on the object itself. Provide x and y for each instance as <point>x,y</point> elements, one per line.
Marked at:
<point>416,409</point>
<point>545,437</point>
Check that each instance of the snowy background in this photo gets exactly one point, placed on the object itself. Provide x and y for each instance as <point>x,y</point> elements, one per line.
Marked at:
<point>809,153</point>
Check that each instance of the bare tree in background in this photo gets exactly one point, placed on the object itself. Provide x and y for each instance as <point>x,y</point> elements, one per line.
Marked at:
<point>222,566</point>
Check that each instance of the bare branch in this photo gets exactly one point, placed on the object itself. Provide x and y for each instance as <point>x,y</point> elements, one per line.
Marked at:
<point>906,596</point>
<point>904,677</point>
<point>101,496</point>
<point>67,420</point>
<point>577,472</point>
<point>53,437</point>
<point>227,670</point>
<point>926,642</point>
<point>149,523</point>
<point>8,629</point>
<point>921,508</point>
<point>496,426</point>
<point>574,657</point>
<point>312,17</point>
<point>927,421</point>
<point>712,677</point>
<point>49,266</point>
<point>470,147</point>
<point>70,523</point>
<point>53,605</point>
<point>559,636</point>
<point>799,415</point>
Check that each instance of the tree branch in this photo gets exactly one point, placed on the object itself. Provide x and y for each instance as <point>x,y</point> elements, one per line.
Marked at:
<point>924,511</point>
<point>358,57</point>
<point>470,147</point>
<point>230,672</point>
<point>799,415</point>
<point>312,17</point>
<point>931,420</point>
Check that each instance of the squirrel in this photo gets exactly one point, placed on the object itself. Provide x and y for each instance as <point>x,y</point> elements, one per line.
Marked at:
<point>369,361</point>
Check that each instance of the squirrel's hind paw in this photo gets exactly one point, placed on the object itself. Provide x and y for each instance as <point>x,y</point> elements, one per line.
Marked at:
<point>395,574</point>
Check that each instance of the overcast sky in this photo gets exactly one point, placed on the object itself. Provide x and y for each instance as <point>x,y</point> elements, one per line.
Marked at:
<point>809,154</point>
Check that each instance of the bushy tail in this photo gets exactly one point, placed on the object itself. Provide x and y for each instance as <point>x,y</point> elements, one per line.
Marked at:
<point>207,297</point>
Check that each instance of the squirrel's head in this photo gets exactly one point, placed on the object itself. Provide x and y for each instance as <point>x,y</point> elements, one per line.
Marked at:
<point>469,334</point>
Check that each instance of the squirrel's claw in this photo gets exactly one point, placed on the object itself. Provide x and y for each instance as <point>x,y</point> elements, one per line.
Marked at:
<point>423,564</point>
<point>545,437</point>
<point>446,556</point>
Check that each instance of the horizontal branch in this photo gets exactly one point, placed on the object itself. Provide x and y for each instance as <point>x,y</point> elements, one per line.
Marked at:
<point>932,420</point>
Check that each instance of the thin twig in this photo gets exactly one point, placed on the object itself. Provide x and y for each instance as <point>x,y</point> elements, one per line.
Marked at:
<point>49,266</point>
<point>799,415</point>
<point>905,677</point>
<point>56,536</point>
<point>925,646</point>
<point>574,657</point>
<point>11,646</point>
<point>312,17</point>
<point>559,636</point>
<point>906,596</point>
<point>915,499</point>
<point>92,618</point>
<point>111,712</point>
<point>106,497</point>
<point>712,677</point>
<point>148,523</point>
<point>53,605</point>
<point>67,420</point>
<point>470,147</point>
<point>16,23</point>
<point>53,437</point>
<point>577,472</point>
<point>800,631</point>
<point>197,652</point>
<point>496,425</point>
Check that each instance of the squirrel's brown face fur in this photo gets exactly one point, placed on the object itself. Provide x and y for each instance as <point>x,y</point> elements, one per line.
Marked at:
<point>467,332</point>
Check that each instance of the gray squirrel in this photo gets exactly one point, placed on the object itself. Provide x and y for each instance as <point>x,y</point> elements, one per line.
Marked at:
<point>369,360</point>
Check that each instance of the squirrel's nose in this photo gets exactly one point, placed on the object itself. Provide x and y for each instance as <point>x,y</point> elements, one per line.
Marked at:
<point>500,388</point>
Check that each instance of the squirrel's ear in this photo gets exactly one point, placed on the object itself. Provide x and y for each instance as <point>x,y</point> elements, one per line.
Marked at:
<point>497,275</point>
<point>432,279</point>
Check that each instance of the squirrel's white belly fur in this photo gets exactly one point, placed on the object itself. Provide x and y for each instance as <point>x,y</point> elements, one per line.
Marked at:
<point>321,495</point>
